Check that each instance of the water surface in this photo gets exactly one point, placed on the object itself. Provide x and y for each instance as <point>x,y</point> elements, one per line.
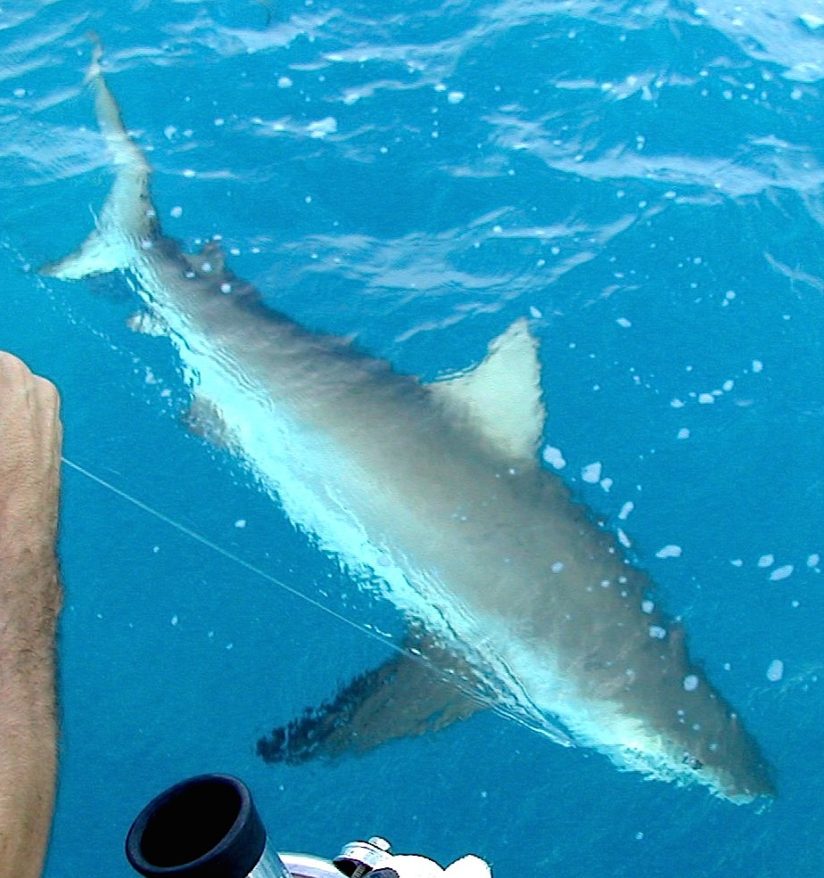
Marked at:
<point>644,180</point>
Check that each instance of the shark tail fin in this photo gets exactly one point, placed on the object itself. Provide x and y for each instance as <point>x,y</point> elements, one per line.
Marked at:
<point>96,255</point>
<point>401,698</point>
<point>127,220</point>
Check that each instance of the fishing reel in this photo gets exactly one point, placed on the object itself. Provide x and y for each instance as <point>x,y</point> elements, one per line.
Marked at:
<point>209,827</point>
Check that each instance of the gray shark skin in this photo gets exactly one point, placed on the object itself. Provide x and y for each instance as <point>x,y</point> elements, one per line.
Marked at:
<point>433,495</point>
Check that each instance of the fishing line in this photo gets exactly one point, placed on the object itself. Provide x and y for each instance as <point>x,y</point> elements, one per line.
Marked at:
<point>193,535</point>
<point>198,538</point>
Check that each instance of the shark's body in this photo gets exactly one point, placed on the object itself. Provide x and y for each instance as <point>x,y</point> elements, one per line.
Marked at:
<point>435,493</point>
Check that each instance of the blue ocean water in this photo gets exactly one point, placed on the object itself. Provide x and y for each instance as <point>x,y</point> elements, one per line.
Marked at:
<point>644,180</point>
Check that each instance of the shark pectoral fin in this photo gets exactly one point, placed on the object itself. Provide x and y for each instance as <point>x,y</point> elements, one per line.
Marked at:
<point>501,397</point>
<point>96,255</point>
<point>404,697</point>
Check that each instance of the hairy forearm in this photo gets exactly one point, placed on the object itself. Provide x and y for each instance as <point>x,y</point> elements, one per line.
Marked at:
<point>30,441</point>
<point>29,606</point>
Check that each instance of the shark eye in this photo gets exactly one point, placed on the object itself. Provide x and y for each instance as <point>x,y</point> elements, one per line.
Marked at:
<point>692,762</point>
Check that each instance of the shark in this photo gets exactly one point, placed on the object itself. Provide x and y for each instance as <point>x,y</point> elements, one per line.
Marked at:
<point>515,596</point>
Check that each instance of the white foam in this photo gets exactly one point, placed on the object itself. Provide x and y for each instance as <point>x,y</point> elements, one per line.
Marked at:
<point>554,457</point>
<point>322,127</point>
<point>623,515</point>
<point>624,539</point>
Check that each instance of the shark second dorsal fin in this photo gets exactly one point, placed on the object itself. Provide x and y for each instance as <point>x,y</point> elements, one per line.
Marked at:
<point>211,259</point>
<point>501,396</point>
<point>403,697</point>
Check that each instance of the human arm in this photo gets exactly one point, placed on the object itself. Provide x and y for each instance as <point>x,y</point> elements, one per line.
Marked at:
<point>30,597</point>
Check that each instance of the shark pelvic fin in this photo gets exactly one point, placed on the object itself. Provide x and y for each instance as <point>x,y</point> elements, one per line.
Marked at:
<point>403,697</point>
<point>205,420</point>
<point>147,323</point>
<point>501,396</point>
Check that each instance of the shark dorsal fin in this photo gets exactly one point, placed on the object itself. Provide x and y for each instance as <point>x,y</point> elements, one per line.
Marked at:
<point>501,396</point>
